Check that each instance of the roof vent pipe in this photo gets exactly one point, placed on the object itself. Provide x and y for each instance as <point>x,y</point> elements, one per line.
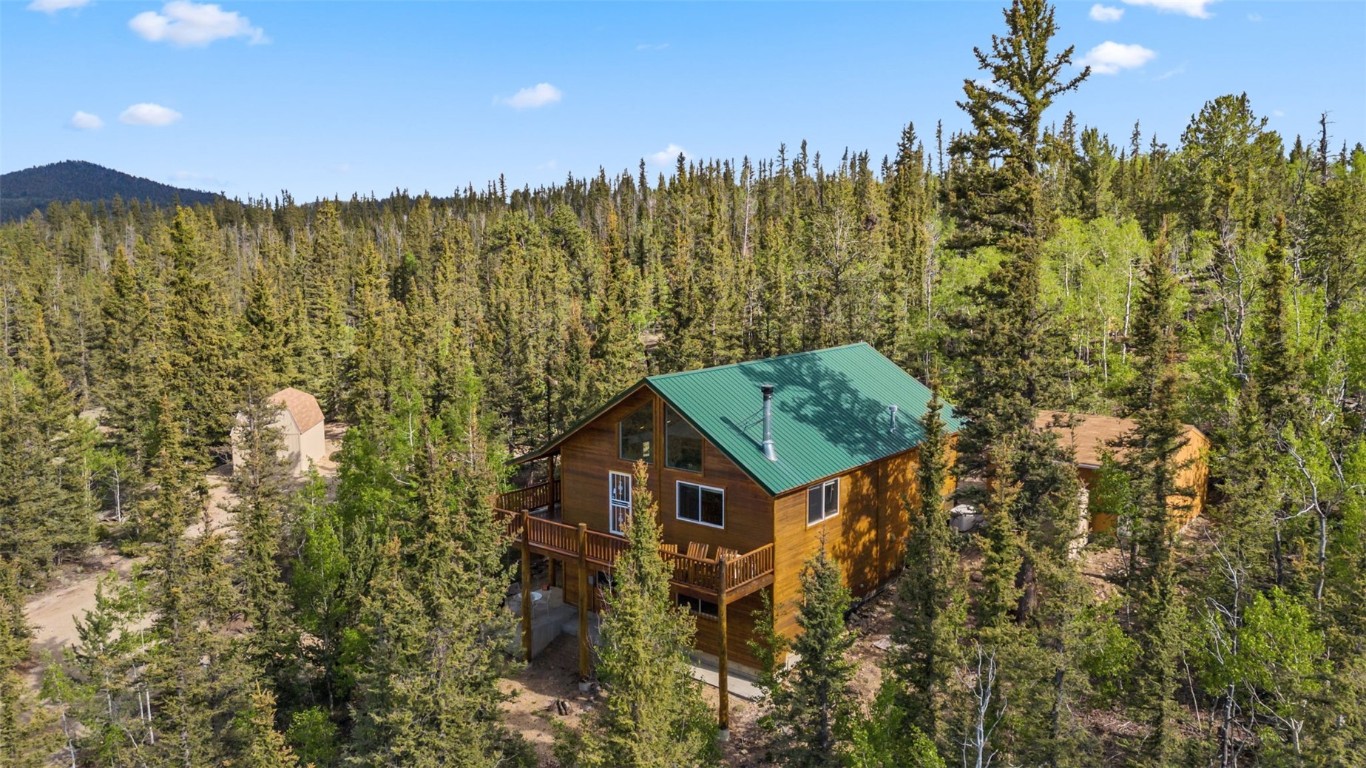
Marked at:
<point>770,452</point>
<point>891,418</point>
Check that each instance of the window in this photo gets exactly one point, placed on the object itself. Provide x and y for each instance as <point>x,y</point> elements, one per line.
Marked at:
<point>700,504</point>
<point>618,501</point>
<point>683,446</point>
<point>636,434</point>
<point>698,606</point>
<point>822,501</point>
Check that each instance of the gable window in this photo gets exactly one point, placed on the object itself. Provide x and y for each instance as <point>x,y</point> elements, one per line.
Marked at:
<point>618,501</point>
<point>700,504</point>
<point>636,435</point>
<point>822,501</point>
<point>682,443</point>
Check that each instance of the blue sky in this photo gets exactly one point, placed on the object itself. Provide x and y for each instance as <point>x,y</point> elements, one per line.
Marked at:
<point>328,99</point>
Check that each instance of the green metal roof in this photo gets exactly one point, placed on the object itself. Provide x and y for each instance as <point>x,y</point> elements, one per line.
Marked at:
<point>829,411</point>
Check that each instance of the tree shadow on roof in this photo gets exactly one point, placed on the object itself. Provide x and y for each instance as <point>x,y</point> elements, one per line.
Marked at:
<point>810,392</point>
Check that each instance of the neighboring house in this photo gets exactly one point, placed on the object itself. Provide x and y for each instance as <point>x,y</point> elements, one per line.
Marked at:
<point>752,466</point>
<point>300,423</point>
<point>1092,436</point>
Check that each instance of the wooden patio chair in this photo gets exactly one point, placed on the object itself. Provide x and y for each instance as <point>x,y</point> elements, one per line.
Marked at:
<point>731,555</point>
<point>697,550</point>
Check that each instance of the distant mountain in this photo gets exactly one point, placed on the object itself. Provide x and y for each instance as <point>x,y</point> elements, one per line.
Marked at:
<point>22,192</point>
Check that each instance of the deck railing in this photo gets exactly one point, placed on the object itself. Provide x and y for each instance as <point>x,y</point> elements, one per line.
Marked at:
<point>541,495</point>
<point>749,567</point>
<point>743,573</point>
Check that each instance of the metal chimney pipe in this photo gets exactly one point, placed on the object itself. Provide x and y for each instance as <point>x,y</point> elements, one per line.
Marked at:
<point>891,417</point>
<point>770,452</point>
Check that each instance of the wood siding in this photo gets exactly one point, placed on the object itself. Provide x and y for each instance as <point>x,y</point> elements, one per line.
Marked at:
<point>587,457</point>
<point>867,536</point>
<point>590,454</point>
<point>1192,477</point>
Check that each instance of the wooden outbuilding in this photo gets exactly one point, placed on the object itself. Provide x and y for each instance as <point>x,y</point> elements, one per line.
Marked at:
<point>1092,436</point>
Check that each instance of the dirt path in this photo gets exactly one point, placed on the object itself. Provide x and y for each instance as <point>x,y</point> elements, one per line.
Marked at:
<point>52,615</point>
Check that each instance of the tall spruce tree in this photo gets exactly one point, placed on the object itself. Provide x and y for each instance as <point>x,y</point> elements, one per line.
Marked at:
<point>811,703</point>
<point>929,615</point>
<point>201,343</point>
<point>653,715</point>
<point>427,691</point>
<point>1152,464</point>
<point>259,486</point>
<point>28,738</point>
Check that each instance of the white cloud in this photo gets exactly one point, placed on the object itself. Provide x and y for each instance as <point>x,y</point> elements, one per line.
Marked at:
<point>538,95</point>
<point>149,114</point>
<point>1110,57</point>
<point>1254,17</point>
<point>1194,8</point>
<point>52,6</point>
<point>1278,113</point>
<point>668,155</point>
<point>1106,13</point>
<point>84,121</point>
<point>189,24</point>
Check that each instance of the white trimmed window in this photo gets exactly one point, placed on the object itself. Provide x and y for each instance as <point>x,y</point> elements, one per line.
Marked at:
<point>822,501</point>
<point>618,501</point>
<point>701,504</point>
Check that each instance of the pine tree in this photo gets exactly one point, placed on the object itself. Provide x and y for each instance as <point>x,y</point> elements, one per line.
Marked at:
<point>126,355</point>
<point>371,371</point>
<point>195,674</point>
<point>100,681</point>
<point>653,715</point>
<point>1239,566</point>
<point>427,692</point>
<point>28,480</point>
<point>812,702</point>
<point>908,272</point>
<point>1152,467</point>
<point>1007,347</point>
<point>266,335</point>
<point>55,451</point>
<point>27,736</point>
<point>1277,368</point>
<point>266,747</point>
<point>930,610</point>
<point>259,485</point>
<point>201,347</point>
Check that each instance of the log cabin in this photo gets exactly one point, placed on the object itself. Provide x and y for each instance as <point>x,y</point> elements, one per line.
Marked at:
<point>752,466</point>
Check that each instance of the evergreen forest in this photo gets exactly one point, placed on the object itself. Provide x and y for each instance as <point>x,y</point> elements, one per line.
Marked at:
<point>1216,278</point>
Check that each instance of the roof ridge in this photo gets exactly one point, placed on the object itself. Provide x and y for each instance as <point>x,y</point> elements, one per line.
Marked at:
<point>788,356</point>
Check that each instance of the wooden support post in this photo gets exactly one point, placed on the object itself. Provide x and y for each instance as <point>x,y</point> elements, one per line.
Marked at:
<point>583,604</point>
<point>723,653</point>
<point>526,586</point>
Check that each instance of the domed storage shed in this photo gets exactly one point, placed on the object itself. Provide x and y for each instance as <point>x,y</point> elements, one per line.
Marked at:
<point>301,430</point>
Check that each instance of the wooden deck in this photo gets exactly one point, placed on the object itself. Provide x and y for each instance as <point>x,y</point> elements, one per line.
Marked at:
<point>728,578</point>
